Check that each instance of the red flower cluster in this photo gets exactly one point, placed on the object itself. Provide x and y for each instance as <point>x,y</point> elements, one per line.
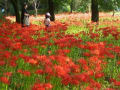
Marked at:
<point>47,53</point>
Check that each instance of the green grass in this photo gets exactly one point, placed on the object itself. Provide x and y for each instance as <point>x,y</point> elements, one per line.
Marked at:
<point>73,29</point>
<point>36,22</point>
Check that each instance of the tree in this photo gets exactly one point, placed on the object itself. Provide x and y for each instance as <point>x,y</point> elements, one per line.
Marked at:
<point>35,4</point>
<point>110,5</point>
<point>4,5</point>
<point>82,5</point>
<point>51,9</point>
<point>54,5</point>
<point>15,4</point>
<point>95,11</point>
<point>71,6</point>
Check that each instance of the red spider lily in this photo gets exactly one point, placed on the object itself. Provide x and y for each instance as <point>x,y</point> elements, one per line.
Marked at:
<point>47,86</point>
<point>32,61</point>
<point>74,82</point>
<point>81,78</point>
<point>118,62</point>
<point>39,71</point>
<point>66,80</point>
<point>87,54</point>
<point>66,51</point>
<point>116,49</point>
<point>94,35</point>
<point>99,75</point>
<point>34,50</point>
<point>14,58</point>
<point>85,67</point>
<point>17,46</point>
<point>13,63</point>
<point>90,72</point>
<point>56,27</point>
<point>97,49</point>
<point>47,62</point>
<point>60,71</point>
<point>24,72</point>
<point>68,59</point>
<point>7,54</point>
<point>112,80</point>
<point>117,83</point>
<point>89,88</point>
<point>8,74</point>
<point>20,71</point>
<point>2,62</point>
<point>61,59</point>
<point>4,80</point>
<point>42,57</point>
<point>26,58</point>
<point>111,30</point>
<point>98,68</point>
<point>49,52</point>
<point>38,86</point>
<point>82,61</point>
<point>75,68</point>
<point>95,52</point>
<point>66,41</point>
<point>110,55</point>
<point>25,50</point>
<point>2,47</point>
<point>48,70</point>
<point>43,46</point>
<point>6,41</point>
<point>96,85</point>
<point>35,56</point>
<point>52,57</point>
<point>91,45</point>
<point>21,56</point>
<point>93,60</point>
<point>44,60</point>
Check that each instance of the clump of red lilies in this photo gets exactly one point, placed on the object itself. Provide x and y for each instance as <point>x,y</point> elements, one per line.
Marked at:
<point>42,58</point>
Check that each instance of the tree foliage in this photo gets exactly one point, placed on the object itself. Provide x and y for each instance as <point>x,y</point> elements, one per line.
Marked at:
<point>63,5</point>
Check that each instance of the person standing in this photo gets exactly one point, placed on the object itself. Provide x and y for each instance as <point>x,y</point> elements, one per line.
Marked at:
<point>47,19</point>
<point>25,16</point>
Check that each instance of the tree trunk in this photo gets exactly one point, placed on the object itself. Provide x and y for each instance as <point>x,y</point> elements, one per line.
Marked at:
<point>6,7</point>
<point>17,10</point>
<point>115,4</point>
<point>71,6</point>
<point>51,9</point>
<point>89,8</point>
<point>95,11</point>
<point>113,13</point>
<point>35,9</point>
<point>36,12</point>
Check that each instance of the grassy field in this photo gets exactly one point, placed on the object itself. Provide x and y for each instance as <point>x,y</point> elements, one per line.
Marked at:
<point>72,54</point>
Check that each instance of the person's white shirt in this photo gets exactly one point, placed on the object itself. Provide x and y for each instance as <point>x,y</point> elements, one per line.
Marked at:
<point>47,21</point>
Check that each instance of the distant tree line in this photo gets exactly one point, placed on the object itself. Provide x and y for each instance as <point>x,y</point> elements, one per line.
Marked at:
<point>13,7</point>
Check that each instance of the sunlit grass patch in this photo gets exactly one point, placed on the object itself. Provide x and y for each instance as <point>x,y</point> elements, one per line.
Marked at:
<point>37,22</point>
<point>73,29</point>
